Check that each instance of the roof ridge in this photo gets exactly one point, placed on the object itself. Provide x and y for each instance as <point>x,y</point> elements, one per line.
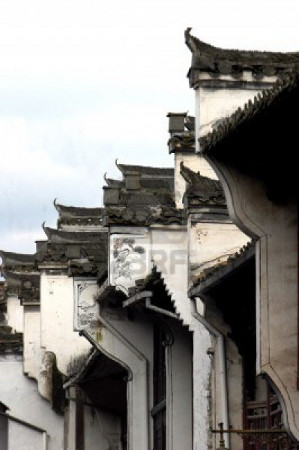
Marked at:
<point>131,167</point>
<point>67,208</point>
<point>194,44</point>
<point>20,257</point>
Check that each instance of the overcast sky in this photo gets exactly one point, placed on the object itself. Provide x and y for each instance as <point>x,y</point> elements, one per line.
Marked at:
<point>83,82</point>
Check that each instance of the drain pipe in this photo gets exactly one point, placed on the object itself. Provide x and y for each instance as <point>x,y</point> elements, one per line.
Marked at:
<point>222,367</point>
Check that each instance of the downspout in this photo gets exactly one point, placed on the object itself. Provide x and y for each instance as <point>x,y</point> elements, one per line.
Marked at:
<point>222,368</point>
<point>45,439</point>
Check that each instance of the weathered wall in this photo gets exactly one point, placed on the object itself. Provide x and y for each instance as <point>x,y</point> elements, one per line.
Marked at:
<point>170,254</point>
<point>129,341</point>
<point>202,385</point>
<point>180,358</point>
<point>102,430</point>
<point>277,283</point>
<point>212,243</point>
<point>57,315</point>
<point>15,313</point>
<point>32,347</point>
<point>21,437</point>
<point>216,100</point>
<point>24,402</point>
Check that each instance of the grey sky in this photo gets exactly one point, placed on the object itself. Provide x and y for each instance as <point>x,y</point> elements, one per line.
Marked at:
<point>83,82</point>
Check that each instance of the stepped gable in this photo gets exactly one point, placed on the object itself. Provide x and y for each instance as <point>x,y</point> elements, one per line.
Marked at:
<point>251,111</point>
<point>202,191</point>
<point>78,216</point>
<point>183,140</point>
<point>145,196</point>
<point>219,61</point>
<point>154,283</point>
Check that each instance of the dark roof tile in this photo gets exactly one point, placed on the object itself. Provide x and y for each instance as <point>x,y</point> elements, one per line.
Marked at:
<point>61,236</point>
<point>74,211</point>
<point>201,190</point>
<point>145,216</point>
<point>17,260</point>
<point>229,61</point>
<point>146,171</point>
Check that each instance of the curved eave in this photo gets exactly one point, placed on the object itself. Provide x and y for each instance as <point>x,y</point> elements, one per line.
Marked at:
<point>76,211</point>
<point>253,56</point>
<point>73,237</point>
<point>21,281</point>
<point>17,259</point>
<point>146,171</point>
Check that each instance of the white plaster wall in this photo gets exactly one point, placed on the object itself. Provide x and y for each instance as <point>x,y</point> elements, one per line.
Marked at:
<point>202,385</point>
<point>277,283</point>
<point>15,313</point>
<point>213,243</point>
<point>57,313</point>
<point>194,162</point>
<point>32,346</point>
<point>215,103</point>
<point>181,362</point>
<point>21,437</point>
<point>129,342</point>
<point>24,402</point>
<point>102,430</point>
<point>70,426</point>
<point>235,390</point>
<point>170,255</point>
<point>168,248</point>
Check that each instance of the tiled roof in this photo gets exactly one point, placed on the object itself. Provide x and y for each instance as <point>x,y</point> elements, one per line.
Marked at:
<point>142,197</point>
<point>21,275</point>
<point>17,261</point>
<point>78,216</point>
<point>82,252</point>
<point>146,171</point>
<point>114,183</point>
<point>145,216</point>
<point>229,61</point>
<point>75,211</point>
<point>215,273</point>
<point>201,190</point>
<point>10,343</point>
<point>69,237</point>
<point>25,285</point>
<point>184,140</point>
